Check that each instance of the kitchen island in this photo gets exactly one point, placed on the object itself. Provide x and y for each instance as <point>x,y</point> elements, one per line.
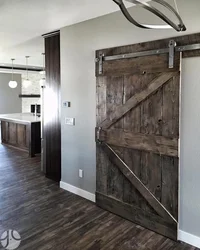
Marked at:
<point>22,131</point>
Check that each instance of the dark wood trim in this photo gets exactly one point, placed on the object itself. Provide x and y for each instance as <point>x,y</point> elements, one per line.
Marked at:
<point>35,69</point>
<point>53,33</point>
<point>15,121</point>
<point>137,215</point>
<point>30,96</point>
<point>52,116</point>
<point>22,135</point>
<point>34,141</point>
<point>31,140</point>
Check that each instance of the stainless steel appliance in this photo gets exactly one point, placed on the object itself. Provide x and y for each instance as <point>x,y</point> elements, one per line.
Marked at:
<point>36,109</point>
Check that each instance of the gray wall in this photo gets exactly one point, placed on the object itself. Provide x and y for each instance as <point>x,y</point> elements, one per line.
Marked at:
<point>190,147</point>
<point>78,45</point>
<point>9,98</point>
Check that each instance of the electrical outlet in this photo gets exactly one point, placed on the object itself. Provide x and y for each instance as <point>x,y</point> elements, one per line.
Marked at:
<point>80,173</point>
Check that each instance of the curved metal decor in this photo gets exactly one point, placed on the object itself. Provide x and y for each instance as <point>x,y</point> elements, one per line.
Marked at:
<point>178,27</point>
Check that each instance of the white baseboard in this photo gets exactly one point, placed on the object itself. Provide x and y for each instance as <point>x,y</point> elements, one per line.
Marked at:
<point>189,238</point>
<point>78,191</point>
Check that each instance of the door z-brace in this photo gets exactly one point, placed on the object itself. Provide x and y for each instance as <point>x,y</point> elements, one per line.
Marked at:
<point>136,182</point>
<point>172,48</point>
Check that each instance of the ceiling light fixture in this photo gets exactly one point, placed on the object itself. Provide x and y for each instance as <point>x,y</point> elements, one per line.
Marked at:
<point>170,24</point>
<point>12,84</point>
<point>43,80</point>
<point>27,82</point>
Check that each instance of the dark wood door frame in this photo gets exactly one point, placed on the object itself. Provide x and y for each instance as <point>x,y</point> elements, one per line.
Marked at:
<point>52,108</point>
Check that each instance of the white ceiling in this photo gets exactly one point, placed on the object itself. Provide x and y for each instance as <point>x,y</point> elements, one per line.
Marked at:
<point>23,22</point>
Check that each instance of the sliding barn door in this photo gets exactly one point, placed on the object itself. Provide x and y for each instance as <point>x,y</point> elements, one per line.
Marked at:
<point>137,138</point>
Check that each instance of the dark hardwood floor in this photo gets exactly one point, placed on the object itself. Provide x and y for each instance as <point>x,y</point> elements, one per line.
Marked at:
<point>50,218</point>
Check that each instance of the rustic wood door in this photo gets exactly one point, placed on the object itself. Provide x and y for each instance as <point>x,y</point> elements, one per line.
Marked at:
<point>137,138</point>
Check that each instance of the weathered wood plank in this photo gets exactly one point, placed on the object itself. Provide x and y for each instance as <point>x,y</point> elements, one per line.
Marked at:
<point>21,135</point>
<point>102,173</point>
<point>170,113</point>
<point>151,124</point>
<point>151,64</point>
<point>150,45</point>
<point>151,177</point>
<point>136,99</point>
<point>101,99</point>
<point>170,166</point>
<point>114,99</point>
<point>132,85</point>
<point>101,160</point>
<point>4,131</point>
<point>155,204</point>
<point>12,133</point>
<point>137,215</point>
<point>131,194</point>
<point>158,144</point>
<point>151,113</point>
<point>170,184</point>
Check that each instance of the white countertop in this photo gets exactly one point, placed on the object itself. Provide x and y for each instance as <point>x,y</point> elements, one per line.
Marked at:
<point>21,117</point>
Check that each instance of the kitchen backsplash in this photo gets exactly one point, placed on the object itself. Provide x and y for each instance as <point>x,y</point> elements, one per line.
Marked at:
<point>34,88</point>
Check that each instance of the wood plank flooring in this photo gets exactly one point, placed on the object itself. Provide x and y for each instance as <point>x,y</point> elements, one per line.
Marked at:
<point>48,217</point>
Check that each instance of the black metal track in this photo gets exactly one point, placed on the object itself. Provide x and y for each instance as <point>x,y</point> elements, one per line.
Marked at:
<point>21,68</point>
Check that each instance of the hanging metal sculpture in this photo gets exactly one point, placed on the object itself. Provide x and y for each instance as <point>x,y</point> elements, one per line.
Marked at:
<point>170,24</point>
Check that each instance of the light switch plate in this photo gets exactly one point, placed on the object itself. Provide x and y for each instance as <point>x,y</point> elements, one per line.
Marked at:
<point>70,121</point>
<point>66,104</point>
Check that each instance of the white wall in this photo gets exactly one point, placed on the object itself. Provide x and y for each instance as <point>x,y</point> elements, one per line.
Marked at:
<point>9,98</point>
<point>78,83</point>
<point>34,88</point>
